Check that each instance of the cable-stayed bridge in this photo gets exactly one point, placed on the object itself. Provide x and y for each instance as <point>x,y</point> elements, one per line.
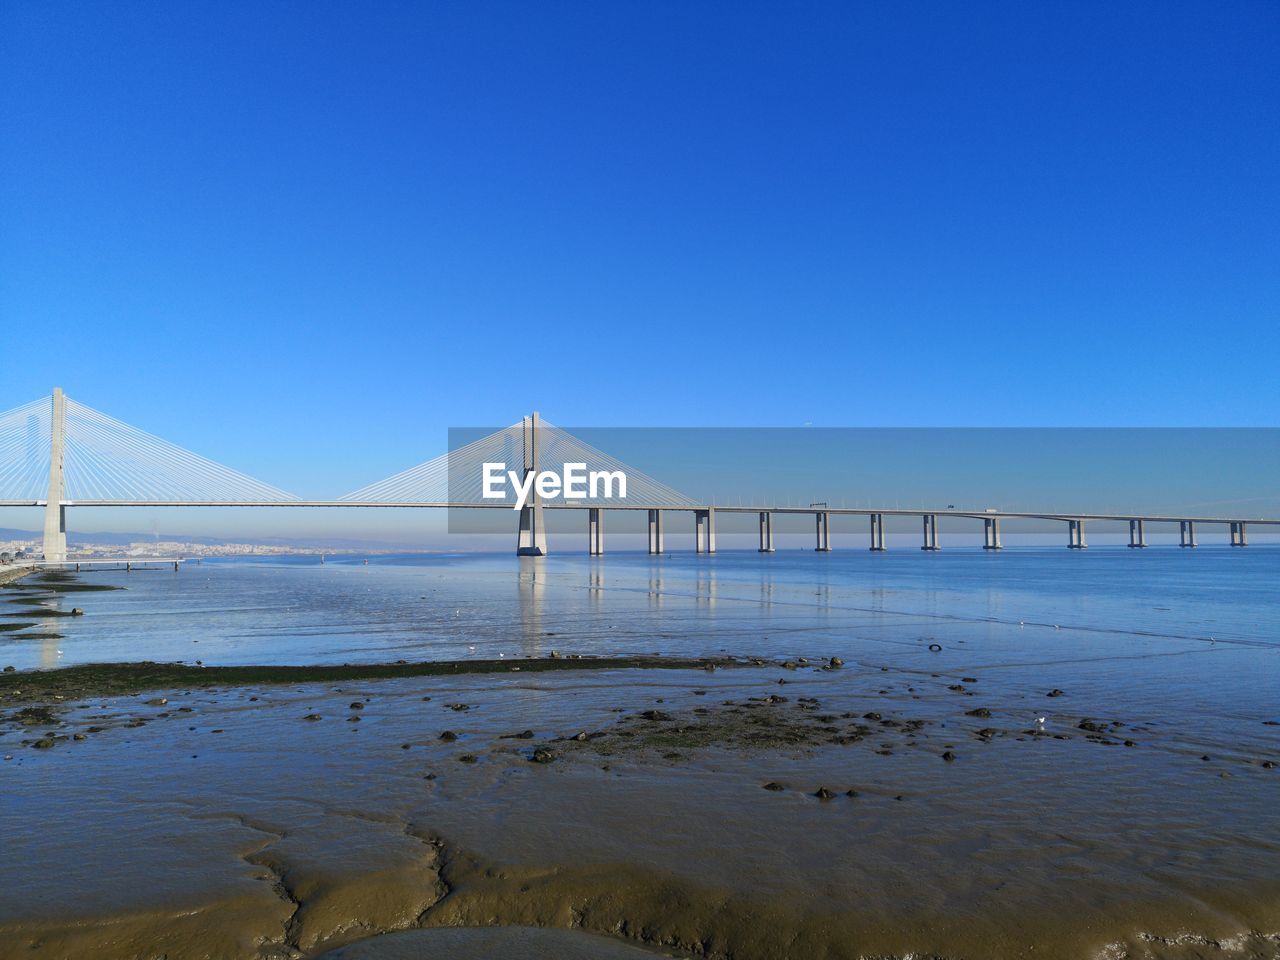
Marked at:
<point>57,453</point>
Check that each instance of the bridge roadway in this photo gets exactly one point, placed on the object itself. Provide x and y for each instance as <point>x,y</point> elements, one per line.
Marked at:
<point>667,508</point>
<point>704,530</point>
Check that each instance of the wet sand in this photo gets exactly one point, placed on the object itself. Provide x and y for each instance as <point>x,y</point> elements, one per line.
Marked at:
<point>938,802</point>
<point>772,810</point>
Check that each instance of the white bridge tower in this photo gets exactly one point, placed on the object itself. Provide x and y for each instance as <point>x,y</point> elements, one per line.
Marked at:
<point>55,512</point>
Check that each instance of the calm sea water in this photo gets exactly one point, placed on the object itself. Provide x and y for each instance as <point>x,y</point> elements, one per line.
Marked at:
<point>1022,606</point>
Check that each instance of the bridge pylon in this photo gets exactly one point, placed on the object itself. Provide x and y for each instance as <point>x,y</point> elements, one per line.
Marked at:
<point>532,540</point>
<point>55,512</point>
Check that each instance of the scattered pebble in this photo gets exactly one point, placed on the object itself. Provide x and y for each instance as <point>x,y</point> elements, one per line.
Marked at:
<point>448,736</point>
<point>774,785</point>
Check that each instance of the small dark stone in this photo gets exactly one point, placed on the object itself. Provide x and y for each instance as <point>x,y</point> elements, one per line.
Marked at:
<point>458,707</point>
<point>948,756</point>
<point>978,712</point>
<point>1268,764</point>
<point>822,793</point>
<point>710,668</point>
<point>1055,692</point>
<point>871,716</point>
<point>935,647</point>
<point>774,785</point>
<point>467,758</point>
<point>448,736</point>
<point>78,736</point>
<point>357,705</point>
<point>44,743</point>
<point>655,715</point>
<point>968,679</point>
<point>10,669</point>
<point>542,755</point>
<point>353,719</point>
<point>404,746</point>
<point>836,662</point>
<point>312,716</point>
<point>851,793</point>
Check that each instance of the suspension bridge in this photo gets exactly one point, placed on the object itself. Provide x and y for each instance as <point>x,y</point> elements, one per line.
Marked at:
<point>57,454</point>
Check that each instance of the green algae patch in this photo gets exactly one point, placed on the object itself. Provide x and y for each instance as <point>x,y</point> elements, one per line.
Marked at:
<point>109,679</point>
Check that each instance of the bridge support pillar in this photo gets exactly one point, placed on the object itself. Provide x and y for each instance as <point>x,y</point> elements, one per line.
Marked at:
<point>1239,534</point>
<point>533,535</point>
<point>766,531</point>
<point>55,514</point>
<point>991,534</point>
<point>930,532</point>
<point>822,529</point>
<point>704,530</point>
<point>1137,534</point>
<point>532,541</point>
<point>877,532</point>
<point>595,532</point>
<point>655,531</point>
<point>1075,535</point>
<point>1187,533</point>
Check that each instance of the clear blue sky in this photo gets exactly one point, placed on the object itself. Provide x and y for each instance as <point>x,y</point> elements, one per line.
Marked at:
<point>305,238</point>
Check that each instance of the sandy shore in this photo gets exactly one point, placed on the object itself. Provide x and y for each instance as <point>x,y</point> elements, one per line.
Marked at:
<point>777,809</point>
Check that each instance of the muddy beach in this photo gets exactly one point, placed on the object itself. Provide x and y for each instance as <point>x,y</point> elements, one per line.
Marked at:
<point>886,801</point>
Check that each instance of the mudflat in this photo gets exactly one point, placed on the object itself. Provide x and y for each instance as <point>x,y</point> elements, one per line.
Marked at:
<point>937,789</point>
<point>770,810</point>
